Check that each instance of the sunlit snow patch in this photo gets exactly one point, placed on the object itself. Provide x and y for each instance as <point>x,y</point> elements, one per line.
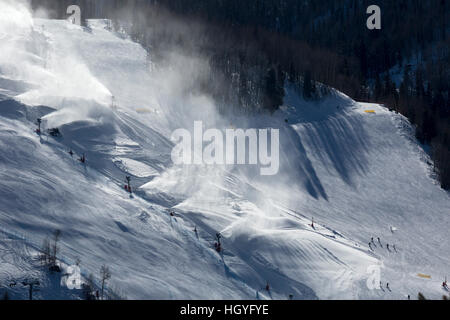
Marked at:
<point>136,168</point>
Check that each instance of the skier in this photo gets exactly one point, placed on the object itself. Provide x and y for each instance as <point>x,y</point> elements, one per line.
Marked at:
<point>371,239</point>
<point>370,246</point>
<point>387,286</point>
<point>312,222</point>
<point>409,297</point>
<point>82,159</point>
<point>444,284</point>
<point>195,229</point>
<point>394,248</point>
<point>379,241</point>
<point>387,246</point>
<point>71,153</point>
<point>267,287</point>
<point>128,188</point>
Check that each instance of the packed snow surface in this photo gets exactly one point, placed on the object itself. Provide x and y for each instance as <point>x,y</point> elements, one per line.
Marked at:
<point>357,174</point>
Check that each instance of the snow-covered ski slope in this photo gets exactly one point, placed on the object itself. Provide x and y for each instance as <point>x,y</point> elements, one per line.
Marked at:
<point>359,174</point>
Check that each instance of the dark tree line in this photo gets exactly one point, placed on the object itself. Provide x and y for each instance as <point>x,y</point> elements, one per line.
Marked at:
<point>423,97</point>
<point>254,46</point>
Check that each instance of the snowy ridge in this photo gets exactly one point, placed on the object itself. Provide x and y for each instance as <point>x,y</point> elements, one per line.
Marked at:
<point>356,173</point>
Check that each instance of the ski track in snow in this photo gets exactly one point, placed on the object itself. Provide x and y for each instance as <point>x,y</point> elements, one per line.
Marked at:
<point>356,173</point>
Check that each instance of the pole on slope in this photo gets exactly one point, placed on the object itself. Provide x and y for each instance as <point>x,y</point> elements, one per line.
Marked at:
<point>217,244</point>
<point>218,236</point>
<point>113,103</point>
<point>31,284</point>
<point>39,120</point>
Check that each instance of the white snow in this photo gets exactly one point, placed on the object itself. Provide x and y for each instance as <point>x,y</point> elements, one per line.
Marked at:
<point>356,173</point>
<point>136,168</point>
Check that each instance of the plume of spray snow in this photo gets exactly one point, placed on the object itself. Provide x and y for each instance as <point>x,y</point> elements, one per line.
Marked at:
<point>16,23</point>
<point>15,17</point>
<point>175,84</point>
<point>48,71</point>
<point>177,78</point>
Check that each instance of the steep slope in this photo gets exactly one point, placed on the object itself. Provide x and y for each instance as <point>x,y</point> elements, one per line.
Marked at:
<point>356,173</point>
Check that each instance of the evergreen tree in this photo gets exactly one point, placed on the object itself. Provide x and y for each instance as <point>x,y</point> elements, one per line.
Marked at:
<point>307,86</point>
<point>378,89</point>
<point>274,91</point>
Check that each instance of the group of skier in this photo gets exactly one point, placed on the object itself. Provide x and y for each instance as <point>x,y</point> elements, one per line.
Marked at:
<point>387,286</point>
<point>82,158</point>
<point>372,242</point>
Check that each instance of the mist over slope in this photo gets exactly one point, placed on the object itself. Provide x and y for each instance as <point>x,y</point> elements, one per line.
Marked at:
<point>358,174</point>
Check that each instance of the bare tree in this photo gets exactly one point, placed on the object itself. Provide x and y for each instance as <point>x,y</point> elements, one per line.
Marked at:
<point>88,288</point>
<point>105,275</point>
<point>55,248</point>
<point>44,257</point>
